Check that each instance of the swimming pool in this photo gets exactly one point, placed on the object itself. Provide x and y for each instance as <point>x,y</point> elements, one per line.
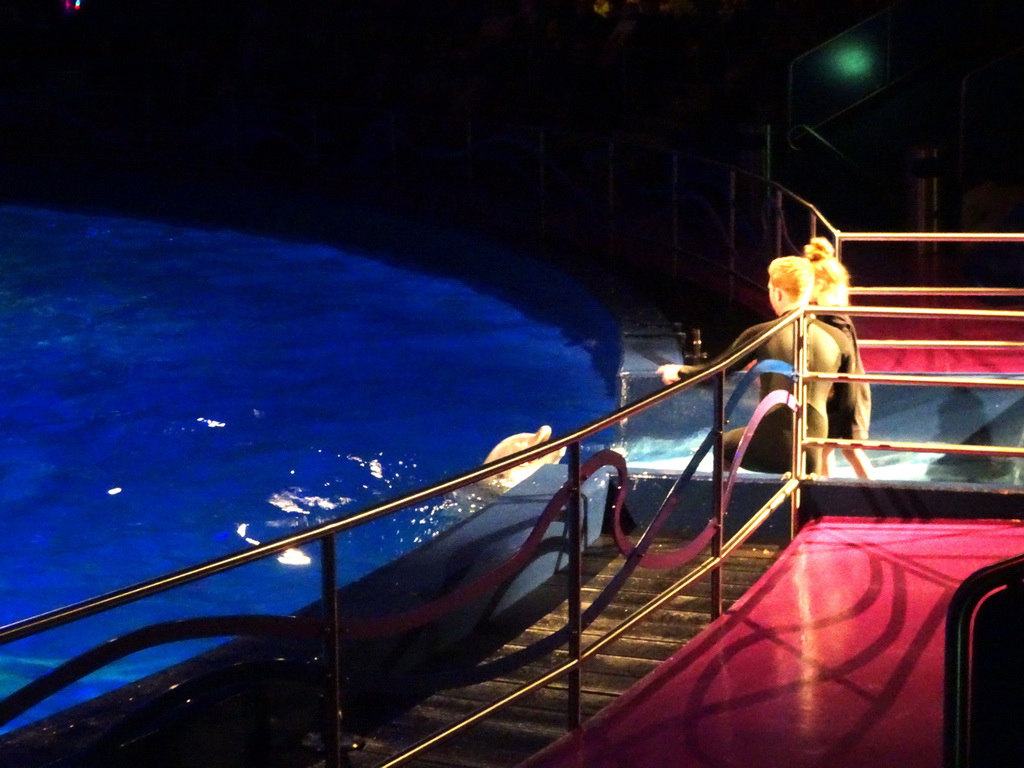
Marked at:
<point>173,394</point>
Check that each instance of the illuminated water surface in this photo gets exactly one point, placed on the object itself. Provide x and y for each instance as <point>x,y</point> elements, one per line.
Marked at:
<point>174,394</point>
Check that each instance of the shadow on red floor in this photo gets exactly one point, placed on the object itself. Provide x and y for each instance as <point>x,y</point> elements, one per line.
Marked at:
<point>834,658</point>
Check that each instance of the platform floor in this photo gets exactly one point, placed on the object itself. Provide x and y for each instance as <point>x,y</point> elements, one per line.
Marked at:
<point>834,658</point>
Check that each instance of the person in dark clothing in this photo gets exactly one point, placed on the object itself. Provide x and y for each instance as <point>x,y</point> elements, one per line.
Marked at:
<point>791,281</point>
<point>848,418</point>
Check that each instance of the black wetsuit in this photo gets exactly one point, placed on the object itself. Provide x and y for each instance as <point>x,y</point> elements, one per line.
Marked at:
<point>849,418</point>
<point>829,350</point>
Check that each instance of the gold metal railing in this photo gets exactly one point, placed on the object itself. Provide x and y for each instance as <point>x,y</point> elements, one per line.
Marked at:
<point>976,382</point>
<point>788,491</point>
<point>714,372</point>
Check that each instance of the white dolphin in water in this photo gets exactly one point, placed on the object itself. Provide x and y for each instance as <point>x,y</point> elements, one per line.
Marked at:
<point>513,444</point>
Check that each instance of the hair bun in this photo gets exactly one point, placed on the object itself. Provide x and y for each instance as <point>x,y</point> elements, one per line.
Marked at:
<point>819,249</point>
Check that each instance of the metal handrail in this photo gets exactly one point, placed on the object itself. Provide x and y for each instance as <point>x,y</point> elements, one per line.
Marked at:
<point>881,290</point>
<point>937,344</point>
<point>979,586</point>
<point>922,312</point>
<point>960,615</point>
<point>935,313</point>
<point>790,490</point>
<point>911,447</point>
<point>932,237</point>
<point>922,380</point>
<point>803,129</point>
<point>930,380</point>
<point>710,565</point>
<point>929,237</point>
<point>324,534</point>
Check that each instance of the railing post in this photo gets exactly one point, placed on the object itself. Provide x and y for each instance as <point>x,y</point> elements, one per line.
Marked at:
<point>956,704</point>
<point>332,653</point>
<point>574,523</point>
<point>718,494</point>
<point>799,420</point>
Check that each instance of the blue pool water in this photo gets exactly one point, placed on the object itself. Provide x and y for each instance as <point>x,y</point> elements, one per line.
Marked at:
<point>173,394</point>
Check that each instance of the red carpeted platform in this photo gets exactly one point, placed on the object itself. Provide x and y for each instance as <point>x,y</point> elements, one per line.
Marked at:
<point>834,658</point>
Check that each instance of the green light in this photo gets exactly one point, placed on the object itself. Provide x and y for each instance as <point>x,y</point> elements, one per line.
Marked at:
<point>853,62</point>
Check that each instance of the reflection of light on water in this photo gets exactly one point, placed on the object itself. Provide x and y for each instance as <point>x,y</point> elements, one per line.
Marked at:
<point>288,557</point>
<point>242,530</point>
<point>294,557</point>
<point>470,499</point>
<point>376,469</point>
<point>292,500</point>
<point>304,507</point>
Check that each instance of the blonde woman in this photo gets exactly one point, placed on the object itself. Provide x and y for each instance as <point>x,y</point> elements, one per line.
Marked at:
<point>848,418</point>
<point>790,285</point>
